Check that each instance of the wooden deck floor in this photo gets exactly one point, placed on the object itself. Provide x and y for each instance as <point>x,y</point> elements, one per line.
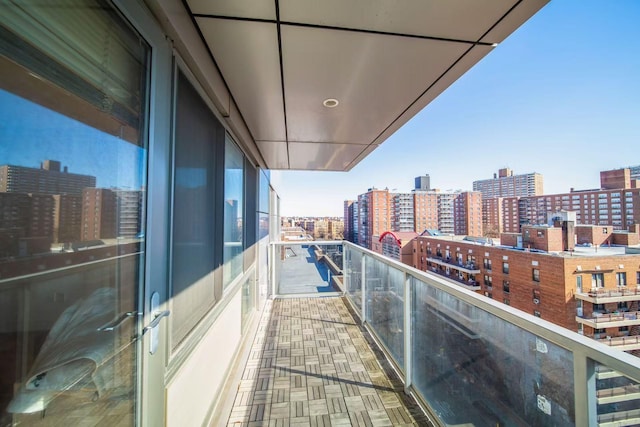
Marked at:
<point>312,365</point>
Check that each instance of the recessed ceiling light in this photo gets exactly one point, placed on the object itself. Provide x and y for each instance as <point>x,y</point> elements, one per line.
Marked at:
<point>330,103</point>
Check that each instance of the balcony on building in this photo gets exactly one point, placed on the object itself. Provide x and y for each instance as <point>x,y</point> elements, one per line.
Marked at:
<point>607,295</point>
<point>610,320</point>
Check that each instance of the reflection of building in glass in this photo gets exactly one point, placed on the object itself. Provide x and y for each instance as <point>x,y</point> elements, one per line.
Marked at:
<point>41,220</point>
<point>26,223</point>
<point>14,221</point>
<point>129,212</point>
<point>67,217</point>
<point>99,208</point>
<point>46,180</point>
<point>233,224</point>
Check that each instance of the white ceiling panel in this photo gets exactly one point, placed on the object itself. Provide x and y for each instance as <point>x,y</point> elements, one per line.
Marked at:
<point>322,156</point>
<point>374,77</point>
<point>454,19</point>
<point>255,9</point>
<point>469,60</point>
<point>274,153</point>
<point>383,60</point>
<point>248,57</point>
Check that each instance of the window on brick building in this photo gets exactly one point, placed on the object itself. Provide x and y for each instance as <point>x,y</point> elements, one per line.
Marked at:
<point>579,284</point>
<point>536,275</point>
<point>597,280</point>
<point>487,265</point>
<point>505,267</point>
<point>505,286</point>
<point>621,279</point>
<point>536,313</point>
<point>638,277</point>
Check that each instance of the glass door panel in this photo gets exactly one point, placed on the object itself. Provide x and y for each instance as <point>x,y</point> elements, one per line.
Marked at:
<point>72,212</point>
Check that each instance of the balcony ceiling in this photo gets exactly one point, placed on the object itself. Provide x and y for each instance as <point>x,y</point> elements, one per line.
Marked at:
<point>383,60</point>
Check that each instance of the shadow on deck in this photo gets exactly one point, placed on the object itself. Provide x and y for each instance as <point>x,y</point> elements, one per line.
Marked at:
<point>312,364</point>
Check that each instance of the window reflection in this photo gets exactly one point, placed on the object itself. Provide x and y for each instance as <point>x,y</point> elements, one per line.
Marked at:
<point>233,211</point>
<point>72,171</point>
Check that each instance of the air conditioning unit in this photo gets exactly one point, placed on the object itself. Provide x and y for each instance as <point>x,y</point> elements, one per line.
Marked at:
<point>536,301</point>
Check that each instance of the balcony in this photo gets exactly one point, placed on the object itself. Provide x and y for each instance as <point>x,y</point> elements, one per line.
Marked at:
<point>611,320</point>
<point>466,267</point>
<point>466,359</point>
<point>627,343</point>
<point>602,295</point>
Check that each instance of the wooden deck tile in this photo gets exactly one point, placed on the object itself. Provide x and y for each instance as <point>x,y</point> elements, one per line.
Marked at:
<point>311,365</point>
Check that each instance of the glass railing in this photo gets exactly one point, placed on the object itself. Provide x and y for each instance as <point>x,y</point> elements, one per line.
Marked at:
<point>474,361</point>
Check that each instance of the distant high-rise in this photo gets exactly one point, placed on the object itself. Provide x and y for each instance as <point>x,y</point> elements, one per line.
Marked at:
<point>350,216</point>
<point>402,212</point>
<point>467,214</point>
<point>620,178</point>
<point>49,179</point>
<point>616,203</point>
<point>506,184</point>
<point>379,211</point>
<point>374,214</point>
<point>423,183</point>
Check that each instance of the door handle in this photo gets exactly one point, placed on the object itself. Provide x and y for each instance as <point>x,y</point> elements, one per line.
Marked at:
<point>152,327</point>
<point>111,326</point>
<point>157,317</point>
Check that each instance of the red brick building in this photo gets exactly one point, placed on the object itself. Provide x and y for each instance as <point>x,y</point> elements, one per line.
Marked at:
<point>616,204</point>
<point>592,290</point>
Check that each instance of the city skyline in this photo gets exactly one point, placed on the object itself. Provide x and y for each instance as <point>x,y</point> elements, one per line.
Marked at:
<point>558,97</point>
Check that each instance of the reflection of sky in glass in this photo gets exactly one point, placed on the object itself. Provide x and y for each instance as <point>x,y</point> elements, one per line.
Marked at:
<point>30,134</point>
<point>233,175</point>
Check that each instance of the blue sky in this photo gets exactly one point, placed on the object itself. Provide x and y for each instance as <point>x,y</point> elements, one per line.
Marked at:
<point>30,133</point>
<point>560,96</point>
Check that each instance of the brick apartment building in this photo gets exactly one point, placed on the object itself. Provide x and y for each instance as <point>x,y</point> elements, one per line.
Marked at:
<point>374,215</point>
<point>391,244</point>
<point>506,184</point>
<point>616,203</point>
<point>378,211</point>
<point>591,289</point>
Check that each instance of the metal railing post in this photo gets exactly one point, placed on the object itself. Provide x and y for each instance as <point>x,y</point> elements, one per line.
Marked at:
<point>273,269</point>
<point>584,389</point>
<point>363,281</point>
<point>407,332</point>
